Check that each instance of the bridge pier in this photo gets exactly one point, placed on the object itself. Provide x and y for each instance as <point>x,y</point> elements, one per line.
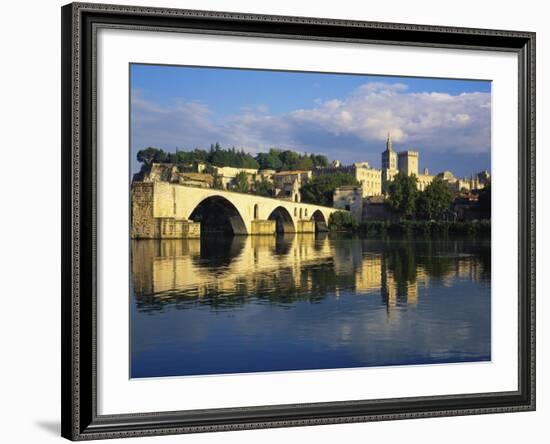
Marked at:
<point>177,228</point>
<point>305,226</point>
<point>263,226</point>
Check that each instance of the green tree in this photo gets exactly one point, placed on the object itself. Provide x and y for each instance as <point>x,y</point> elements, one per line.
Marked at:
<point>342,221</point>
<point>320,189</point>
<point>275,159</point>
<point>289,160</point>
<point>241,182</point>
<point>319,160</point>
<point>402,194</point>
<point>263,188</point>
<point>279,160</point>
<point>230,157</point>
<point>270,160</point>
<point>217,182</point>
<point>192,157</point>
<point>151,155</point>
<point>245,160</point>
<point>305,163</point>
<point>435,200</point>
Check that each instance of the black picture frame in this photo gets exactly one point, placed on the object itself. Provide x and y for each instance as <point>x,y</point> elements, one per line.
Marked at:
<point>79,172</point>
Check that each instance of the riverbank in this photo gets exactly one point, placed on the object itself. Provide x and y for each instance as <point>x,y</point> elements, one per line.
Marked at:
<point>418,228</point>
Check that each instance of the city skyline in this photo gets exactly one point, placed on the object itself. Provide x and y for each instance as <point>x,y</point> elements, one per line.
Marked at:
<point>344,117</point>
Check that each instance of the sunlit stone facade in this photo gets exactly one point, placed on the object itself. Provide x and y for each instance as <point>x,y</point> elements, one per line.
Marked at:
<point>349,198</point>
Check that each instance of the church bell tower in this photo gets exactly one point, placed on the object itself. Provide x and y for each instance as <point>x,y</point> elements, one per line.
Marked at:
<point>389,156</point>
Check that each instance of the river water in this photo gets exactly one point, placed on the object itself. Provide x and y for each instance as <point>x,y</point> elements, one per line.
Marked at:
<point>263,303</point>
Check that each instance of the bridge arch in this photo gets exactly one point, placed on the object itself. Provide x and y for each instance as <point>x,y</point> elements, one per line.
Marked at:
<point>283,220</point>
<point>320,221</point>
<point>218,214</point>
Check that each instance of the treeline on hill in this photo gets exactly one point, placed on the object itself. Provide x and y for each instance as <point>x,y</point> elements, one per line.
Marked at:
<point>275,159</point>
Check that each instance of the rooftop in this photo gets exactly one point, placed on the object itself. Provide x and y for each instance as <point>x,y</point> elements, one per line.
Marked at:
<point>348,187</point>
<point>288,173</point>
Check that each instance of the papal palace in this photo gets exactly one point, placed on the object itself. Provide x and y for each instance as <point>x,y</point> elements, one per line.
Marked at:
<point>175,201</point>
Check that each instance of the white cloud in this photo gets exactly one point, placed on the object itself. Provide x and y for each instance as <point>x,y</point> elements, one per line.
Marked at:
<point>436,121</point>
<point>428,121</point>
<point>381,88</point>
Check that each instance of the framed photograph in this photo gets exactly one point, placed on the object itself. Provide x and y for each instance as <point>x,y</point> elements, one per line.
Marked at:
<point>281,221</point>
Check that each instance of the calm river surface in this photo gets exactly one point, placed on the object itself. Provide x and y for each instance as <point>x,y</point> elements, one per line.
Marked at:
<point>265,303</point>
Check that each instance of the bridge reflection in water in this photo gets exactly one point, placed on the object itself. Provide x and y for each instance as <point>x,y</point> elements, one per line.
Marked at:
<point>233,304</point>
<point>226,270</point>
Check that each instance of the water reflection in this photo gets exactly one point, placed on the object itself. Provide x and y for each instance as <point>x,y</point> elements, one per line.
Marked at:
<point>202,306</point>
<point>226,271</point>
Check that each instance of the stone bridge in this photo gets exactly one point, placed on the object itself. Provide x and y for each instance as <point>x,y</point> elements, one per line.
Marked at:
<point>165,210</point>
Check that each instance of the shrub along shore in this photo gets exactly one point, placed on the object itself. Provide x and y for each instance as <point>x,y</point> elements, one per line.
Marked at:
<point>413,227</point>
<point>428,228</point>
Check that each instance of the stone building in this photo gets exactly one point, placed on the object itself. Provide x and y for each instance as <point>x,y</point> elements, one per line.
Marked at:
<point>424,179</point>
<point>389,156</point>
<point>349,198</point>
<point>287,184</point>
<point>172,173</point>
<point>369,178</point>
<point>389,164</point>
<point>227,175</point>
<point>376,208</point>
<point>199,167</point>
<point>480,180</point>
<point>475,182</point>
<point>407,162</point>
<point>266,175</point>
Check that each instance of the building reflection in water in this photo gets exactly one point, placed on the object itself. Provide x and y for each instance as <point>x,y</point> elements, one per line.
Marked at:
<point>226,272</point>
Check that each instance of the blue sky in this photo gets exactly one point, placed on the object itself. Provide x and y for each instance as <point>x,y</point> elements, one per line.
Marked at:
<point>345,117</point>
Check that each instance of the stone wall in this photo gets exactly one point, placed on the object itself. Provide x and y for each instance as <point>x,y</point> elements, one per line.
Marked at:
<point>175,228</point>
<point>164,200</point>
<point>378,211</point>
<point>154,213</point>
<point>349,198</point>
<point>143,226</point>
<point>305,226</point>
<point>172,173</point>
<point>263,226</point>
